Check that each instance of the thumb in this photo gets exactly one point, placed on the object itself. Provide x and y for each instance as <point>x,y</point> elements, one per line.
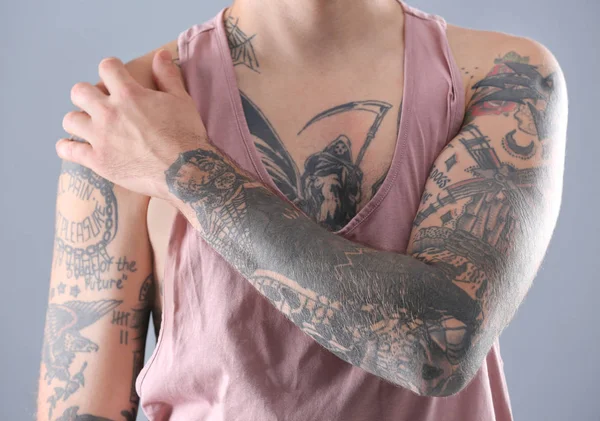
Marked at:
<point>166,73</point>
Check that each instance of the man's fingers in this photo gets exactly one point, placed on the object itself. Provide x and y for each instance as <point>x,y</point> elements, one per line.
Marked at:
<point>166,74</point>
<point>88,97</point>
<point>74,151</point>
<point>78,123</point>
<point>115,76</point>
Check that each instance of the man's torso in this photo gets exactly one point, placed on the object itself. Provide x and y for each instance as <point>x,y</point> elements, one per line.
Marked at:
<point>327,135</point>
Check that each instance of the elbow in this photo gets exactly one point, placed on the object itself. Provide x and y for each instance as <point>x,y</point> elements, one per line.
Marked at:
<point>455,382</point>
<point>443,378</point>
<point>453,387</point>
<point>444,387</point>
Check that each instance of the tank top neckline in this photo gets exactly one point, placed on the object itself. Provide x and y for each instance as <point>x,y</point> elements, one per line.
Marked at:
<point>260,170</point>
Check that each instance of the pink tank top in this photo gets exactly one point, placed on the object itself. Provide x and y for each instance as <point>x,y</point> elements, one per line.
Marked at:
<point>224,351</point>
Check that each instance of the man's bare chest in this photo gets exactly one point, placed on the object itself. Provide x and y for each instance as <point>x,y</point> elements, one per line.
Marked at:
<point>327,153</point>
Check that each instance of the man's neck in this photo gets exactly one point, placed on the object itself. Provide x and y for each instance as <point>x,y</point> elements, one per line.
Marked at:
<point>315,29</point>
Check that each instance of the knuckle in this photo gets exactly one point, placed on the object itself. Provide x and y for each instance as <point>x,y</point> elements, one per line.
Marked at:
<point>107,115</point>
<point>110,114</point>
<point>127,91</point>
<point>104,112</point>
<point>101,160</point>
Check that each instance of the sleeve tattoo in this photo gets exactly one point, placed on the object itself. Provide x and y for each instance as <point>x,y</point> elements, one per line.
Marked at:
<point>425,320</point>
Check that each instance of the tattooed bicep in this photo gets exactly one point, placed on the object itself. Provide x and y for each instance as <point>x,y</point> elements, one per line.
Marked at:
<point>498,182</point>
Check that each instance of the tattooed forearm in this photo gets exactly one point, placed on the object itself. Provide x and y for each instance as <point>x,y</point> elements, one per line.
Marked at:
<point>373,309</point>
<point>423,321</point>
<point>63,341</point>
<point>94,319</point>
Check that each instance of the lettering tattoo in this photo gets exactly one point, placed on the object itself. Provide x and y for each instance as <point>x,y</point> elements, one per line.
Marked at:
<point>424,321</point>
<point>81,242</point>
<point>329,189</point>
<point>63,341</point>
<point>86,223</point>
<point>439,177</point>
<point>134,326</point>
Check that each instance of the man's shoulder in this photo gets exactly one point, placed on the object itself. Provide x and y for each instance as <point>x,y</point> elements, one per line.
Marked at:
<point>478,52</point>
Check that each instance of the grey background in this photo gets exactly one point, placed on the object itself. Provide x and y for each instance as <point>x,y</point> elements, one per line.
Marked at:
<point>550,349</point>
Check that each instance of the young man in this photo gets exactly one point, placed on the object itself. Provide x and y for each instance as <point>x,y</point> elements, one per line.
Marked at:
<point>350,200</point>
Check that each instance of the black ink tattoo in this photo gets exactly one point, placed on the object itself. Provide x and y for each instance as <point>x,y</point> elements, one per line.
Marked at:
<point>511,146</point>
<point>223,207</point>
<point>62,340</point>
<point>515,86</point>
<point>240,45</point>
<point>71,414</point>
<point>447,217</point>
<point>105,284</point>
<point>329,189</point>
<point>502,179</point>
<point>424,321</point>
<point>139,326</point>
<point>74,291</point>
<point>121,318</point>
<point>439,177</point>
<point>365,333</point>
<point>377,184</point>
<point>81,244</point>
<point>451,162</point>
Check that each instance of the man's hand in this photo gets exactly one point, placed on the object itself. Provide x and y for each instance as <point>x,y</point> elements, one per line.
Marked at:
<point>133,134</point>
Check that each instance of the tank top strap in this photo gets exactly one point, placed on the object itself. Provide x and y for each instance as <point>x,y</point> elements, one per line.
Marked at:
<point>209,78</point>
<point>423,15</point>
<point>430,32</point>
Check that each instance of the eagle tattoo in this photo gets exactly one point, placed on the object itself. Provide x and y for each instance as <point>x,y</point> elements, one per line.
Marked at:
<point>62,340</point>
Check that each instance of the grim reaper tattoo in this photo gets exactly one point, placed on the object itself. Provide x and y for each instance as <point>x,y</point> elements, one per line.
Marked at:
<point>329,188</point>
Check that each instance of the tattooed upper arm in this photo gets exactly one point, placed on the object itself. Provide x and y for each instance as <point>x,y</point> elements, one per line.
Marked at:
<point>101,292</point>
<point>492,199</point>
